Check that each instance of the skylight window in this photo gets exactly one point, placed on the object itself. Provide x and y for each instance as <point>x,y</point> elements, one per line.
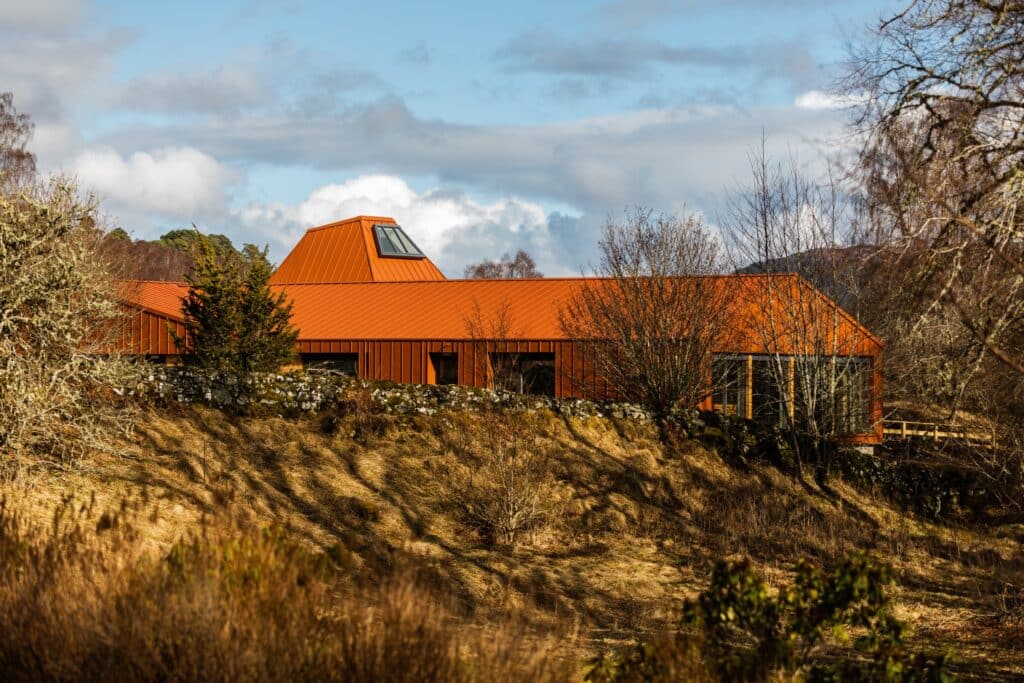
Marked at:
<point>392,242</point>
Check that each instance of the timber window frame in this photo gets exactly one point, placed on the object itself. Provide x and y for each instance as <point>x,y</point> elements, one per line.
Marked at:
<point>844,405</point>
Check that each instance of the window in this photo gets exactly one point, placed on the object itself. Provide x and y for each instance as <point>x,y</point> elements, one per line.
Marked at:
<point>769,399</point>
<point>392,242</point>
<point>853,395</point>
<point>835,391</point>
<point>336,363</point>
<point>524,373</point>
<point>729,376</point>
<point>446,368</point>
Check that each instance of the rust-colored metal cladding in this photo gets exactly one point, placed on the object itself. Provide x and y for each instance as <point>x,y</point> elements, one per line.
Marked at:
<point>347,251</point>
<point>155,311</point>
<point>446,309</point>
<point>163,298</point>
<point>529,309</point>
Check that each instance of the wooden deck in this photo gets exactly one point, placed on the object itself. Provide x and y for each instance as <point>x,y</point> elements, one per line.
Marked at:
<point>903,429</point>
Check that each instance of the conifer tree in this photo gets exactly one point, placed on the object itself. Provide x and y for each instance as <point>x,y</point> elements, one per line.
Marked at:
<point>266,339</point>
<point>233,322</point>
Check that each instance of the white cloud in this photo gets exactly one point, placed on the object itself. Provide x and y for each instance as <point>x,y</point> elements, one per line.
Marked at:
<point>178,183</point>
<point>450,226</point>
<point>817,100</point>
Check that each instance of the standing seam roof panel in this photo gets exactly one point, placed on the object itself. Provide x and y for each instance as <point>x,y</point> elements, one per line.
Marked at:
<point>347,252</point>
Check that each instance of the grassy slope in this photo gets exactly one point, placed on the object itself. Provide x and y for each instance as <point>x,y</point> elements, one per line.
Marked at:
<point>632,531</point>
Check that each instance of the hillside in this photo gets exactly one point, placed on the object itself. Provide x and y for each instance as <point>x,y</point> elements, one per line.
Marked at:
<point>628,531</point>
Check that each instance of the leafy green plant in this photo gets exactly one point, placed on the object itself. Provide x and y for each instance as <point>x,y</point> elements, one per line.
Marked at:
<point>746,632</point>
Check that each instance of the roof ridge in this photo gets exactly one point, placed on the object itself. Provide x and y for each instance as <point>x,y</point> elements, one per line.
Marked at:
<point>590,278</point>
<point>181,283</point>
<point>351,219</point>
<point>369,242</point>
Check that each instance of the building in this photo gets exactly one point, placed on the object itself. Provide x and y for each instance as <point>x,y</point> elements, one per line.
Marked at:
<point>368,302</point>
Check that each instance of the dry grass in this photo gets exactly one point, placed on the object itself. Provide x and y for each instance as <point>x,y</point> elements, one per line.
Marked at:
<point>79,601</point>
<point>632,531</point>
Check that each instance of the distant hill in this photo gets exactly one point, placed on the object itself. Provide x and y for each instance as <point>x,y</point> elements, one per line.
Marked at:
<point>843,273</point>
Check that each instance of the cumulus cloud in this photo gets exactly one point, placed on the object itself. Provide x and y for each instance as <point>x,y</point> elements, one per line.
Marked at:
<point>53,65</point>
<point>176,183</point>
<point>279,75</point>
<point>650,157</point>
<point>452,227</point>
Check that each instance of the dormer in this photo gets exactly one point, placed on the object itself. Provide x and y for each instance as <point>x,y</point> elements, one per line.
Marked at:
<point>359,249</point>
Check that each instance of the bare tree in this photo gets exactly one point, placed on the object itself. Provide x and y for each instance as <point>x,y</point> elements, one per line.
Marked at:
<point>650,323</point>
<point>944,117</point>
<point>509,490</point>
<point>813,381</point>
<point>17,164</point>
<point>60,321</point>
<point>493,333</point>
<point>521,265</point>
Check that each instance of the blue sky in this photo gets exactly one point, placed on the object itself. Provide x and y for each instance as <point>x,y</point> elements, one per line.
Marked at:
<point>482,127</point>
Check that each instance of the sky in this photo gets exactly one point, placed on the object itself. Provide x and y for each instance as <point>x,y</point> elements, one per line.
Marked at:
<point>482,128</point>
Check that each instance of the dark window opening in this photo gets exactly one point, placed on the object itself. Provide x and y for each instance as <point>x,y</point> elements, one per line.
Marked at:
<point>337,363</point>
<point>769,397</point>
<point>392,242</point>
<point>835,392</point>
<point>853,397</point>
<point>729,379</point>
<point>446,368</point>
<point>831,393</point>
<point>524,373</point>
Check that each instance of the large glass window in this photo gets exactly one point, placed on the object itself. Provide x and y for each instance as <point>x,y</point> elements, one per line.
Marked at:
<point>393,242</point>
<point>340,363</point>
<point>835,392</point>
<point>729,376</point>
<point>853,395</point>
<point>524,373</point>
<point>769,395</point>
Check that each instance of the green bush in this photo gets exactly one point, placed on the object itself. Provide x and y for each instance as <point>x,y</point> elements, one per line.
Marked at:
<point>786,630</point>
<point>744,632</point>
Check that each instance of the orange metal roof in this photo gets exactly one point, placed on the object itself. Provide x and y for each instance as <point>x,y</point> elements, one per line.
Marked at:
<point>346,252</point>
<point>446,309</point>
<point>163,298</point>
<point>425,310</point>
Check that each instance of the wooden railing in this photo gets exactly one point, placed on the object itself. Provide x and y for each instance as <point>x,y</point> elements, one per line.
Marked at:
<point>935,431</point>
